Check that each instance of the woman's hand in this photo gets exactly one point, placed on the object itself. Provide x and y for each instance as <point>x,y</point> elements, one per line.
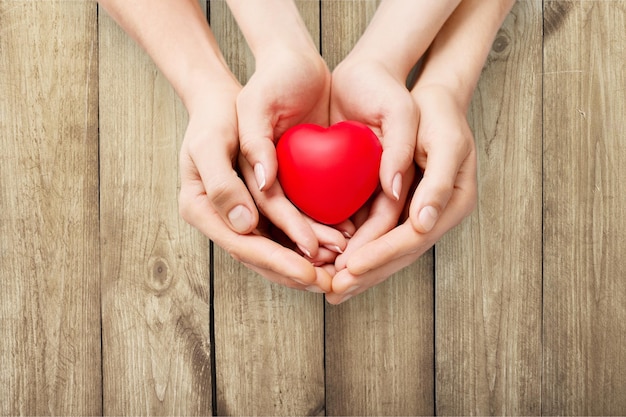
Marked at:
<point>287,88</point>
<point>446,153</point>
<point>215,200</point>
<point>290,85</point>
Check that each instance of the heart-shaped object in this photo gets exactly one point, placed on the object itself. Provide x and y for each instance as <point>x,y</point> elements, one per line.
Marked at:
<point>329,173</point>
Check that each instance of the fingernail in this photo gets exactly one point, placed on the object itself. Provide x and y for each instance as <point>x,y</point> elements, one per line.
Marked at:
<point>259,174</point>
<point>314,289</point>
<point>427,217</point>
<point>346,234</point>
<point>396,186</point>
<point>300,282</point>
<point>305,251</point>
<point>240,218</point>
<point>334,248</point>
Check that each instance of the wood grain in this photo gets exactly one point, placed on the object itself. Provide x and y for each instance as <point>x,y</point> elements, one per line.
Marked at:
<point>584,246</point>
<point>155,268</point>
<point>49,262</point>
<point>269,340</point>
<point>104,290</point>
<point>379,345</point>
<point>488,270</point>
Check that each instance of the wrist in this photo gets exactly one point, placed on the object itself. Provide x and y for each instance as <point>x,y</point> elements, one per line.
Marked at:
<point>395,66</point>
<point>459,85</point>
<point>281,51</point>
<point>293,68</point>
<point>202,88</point>
<point>424,92</point>
<point>458,53</point>
<point>400,33</point>
<point>271,24</point>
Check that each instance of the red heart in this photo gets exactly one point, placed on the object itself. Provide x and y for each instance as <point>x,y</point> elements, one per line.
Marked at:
<point>329,173</point>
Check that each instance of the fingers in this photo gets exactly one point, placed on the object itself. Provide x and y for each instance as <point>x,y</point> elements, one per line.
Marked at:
<point>321,284</point>
<point>347,228</point>
<point>269,255</point>
<point>274,261</point>
<point>329,237</point>
<point>228,195</point>
<point>346,285</point>
<point>374,261</point>
<point>256,139</point>
<point>399,134</point>
<point>445,146</point>
<point>383,216</point>
<point>404,240</point>
<point>396,243</point>
<point>443,163</point>
<point>275,206</point>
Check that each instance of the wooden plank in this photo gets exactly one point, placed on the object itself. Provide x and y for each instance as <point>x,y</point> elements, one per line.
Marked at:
<point>584,246</point>
<point>488,327</point>
<point>379,345</point>
<point>49,261</point>
<point>155,289</point>
<point>269,343</point>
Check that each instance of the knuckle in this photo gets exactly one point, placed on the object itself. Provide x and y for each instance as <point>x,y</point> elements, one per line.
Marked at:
<point>445,186</point>
<point>256,142</point>
<point>247,145</point>
<point>235,254</point>
<point>406,152</point>
<point>439,186</point>
<point>400,154</point>
<point>235,251</point>
<point>219,190</point>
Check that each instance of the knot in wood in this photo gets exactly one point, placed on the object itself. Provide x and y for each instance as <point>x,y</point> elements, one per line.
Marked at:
<point>500,44</point>
<point>159,275</point>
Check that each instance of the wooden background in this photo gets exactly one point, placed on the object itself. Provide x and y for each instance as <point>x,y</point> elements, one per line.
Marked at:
<point>111,304</point>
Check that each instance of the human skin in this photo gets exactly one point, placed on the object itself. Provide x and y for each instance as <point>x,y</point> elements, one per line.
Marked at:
<point>290,85</point>
<point>369,84</point>
<point>444,149</point>
<point>213,198</point>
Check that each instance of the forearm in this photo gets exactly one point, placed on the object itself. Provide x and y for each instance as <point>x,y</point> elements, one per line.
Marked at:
<point>458,53</point>
<point>401,31</point>
<point>271,24</point>
<point>177,37</point>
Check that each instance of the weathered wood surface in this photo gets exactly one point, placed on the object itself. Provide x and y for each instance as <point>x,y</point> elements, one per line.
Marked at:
<point>155,268</point>
<point>379,346</point>
<point>488,270</point>
<point>105,293</point>
<point>49,260</point>
<point>269,340</point>
<point>584,245</point>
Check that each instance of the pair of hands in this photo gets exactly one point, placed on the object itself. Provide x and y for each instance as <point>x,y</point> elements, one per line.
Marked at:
<point>422,131</point>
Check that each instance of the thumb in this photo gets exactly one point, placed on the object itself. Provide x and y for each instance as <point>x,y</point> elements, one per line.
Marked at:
<point>431,197</point>
<point>256,140</point>
<point>224,189</point>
